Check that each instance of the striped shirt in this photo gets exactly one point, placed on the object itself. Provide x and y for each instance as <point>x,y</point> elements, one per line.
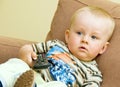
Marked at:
<point>79,74</point>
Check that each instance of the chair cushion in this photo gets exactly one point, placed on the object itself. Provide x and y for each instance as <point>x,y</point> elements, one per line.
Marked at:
<point>109,62</point>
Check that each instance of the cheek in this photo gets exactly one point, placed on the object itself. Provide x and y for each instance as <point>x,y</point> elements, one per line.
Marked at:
<point>70,38</point>
<point>96,49</point>
<point>72,43</point>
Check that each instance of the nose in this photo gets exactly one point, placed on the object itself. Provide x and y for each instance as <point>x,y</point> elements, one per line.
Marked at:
<point>85,39</point>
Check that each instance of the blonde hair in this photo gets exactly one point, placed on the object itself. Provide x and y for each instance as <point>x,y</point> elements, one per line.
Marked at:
<point>98,12</point>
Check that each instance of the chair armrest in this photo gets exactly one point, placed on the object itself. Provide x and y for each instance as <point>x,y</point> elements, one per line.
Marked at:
<point>9,47</point>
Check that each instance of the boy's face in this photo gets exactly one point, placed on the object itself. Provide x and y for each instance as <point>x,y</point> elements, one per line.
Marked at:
<point>87,36</point>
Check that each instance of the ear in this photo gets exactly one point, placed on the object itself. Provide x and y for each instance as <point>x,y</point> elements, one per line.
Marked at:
<point>67,35</point>
<point>104,48</point>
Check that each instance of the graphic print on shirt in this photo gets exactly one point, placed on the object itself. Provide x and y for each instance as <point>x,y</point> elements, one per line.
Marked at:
<point>60,70</point>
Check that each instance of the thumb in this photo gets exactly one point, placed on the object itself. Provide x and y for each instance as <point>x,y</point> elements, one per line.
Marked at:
<point>34,56</point>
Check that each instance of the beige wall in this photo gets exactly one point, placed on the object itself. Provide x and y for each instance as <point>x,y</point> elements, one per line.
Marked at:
<point>116,1</point>
<point>26,19</point>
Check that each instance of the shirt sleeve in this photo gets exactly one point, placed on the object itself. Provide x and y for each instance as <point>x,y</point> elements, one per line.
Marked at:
<point>43,47</point>
<point>94,82</point>
<point>87,74</point>
<point>94,78</point>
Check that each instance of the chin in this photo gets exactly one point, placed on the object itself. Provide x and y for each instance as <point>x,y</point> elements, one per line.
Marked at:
<point>84,59</point>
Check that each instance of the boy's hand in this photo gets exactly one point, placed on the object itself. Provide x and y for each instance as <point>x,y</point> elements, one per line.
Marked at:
<point>27,54</point>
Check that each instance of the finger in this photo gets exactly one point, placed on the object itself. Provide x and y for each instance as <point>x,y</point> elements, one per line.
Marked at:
<point>34,56</point>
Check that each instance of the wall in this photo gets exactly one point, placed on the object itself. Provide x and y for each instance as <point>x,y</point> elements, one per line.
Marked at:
<point>116,1</point>
<point>26,19</point>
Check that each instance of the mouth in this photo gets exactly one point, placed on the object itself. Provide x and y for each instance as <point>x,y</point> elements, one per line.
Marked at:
<point>82,48</point>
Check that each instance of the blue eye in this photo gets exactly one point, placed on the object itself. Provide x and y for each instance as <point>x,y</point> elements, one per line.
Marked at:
<point>93,37</point>
<point>79,33</point>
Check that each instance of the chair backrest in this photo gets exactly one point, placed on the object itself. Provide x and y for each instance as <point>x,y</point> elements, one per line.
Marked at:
<point>109,62</point>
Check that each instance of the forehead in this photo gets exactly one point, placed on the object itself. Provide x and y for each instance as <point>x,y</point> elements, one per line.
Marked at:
<point>92,24</point>
<point>89,20</point>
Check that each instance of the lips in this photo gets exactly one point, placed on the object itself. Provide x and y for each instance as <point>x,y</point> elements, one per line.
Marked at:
<point>82,48</point>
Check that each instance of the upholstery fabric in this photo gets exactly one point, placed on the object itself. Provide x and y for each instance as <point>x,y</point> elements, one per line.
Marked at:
<point>9,47</point>
<point>109,62</point>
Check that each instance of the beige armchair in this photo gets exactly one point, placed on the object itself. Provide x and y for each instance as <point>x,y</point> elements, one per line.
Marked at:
<point>109,62</point>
